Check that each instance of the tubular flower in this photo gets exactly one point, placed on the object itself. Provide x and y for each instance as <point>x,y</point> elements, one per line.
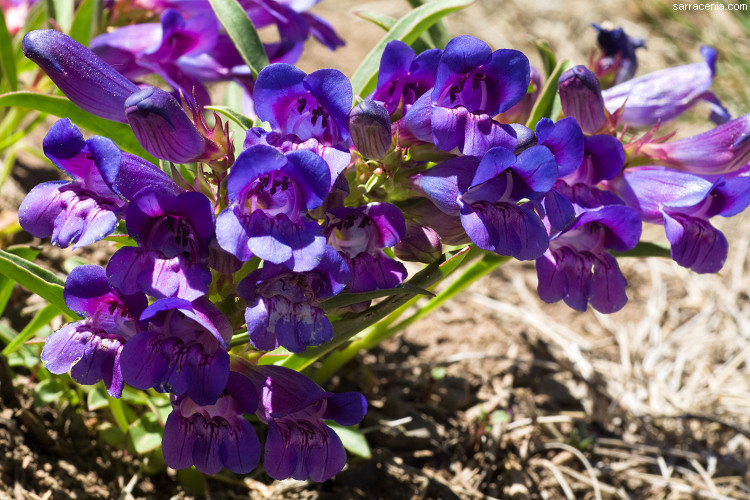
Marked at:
<point>299,443</point>
<point>91,349</point>
<point>269,194</point>
<point>283,307</point>
<point>472,85</point>
<point>212,436</point>
<point>86,208</point>
<point>617,62</point>
<point>181,348</point>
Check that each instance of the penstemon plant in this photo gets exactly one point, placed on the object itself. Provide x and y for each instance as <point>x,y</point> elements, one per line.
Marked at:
<point>247,273</point>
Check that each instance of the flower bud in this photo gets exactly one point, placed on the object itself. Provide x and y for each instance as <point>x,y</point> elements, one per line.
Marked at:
<point>162,127</point>
<point>617,62</point>
<point>88,81</point>
<point>419,244</point>
<point>370,128</point>
<point>581,98</point>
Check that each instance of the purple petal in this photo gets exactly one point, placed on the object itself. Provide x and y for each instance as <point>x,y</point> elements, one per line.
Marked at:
<point>178,440</point>
<point>239,451</point>
<point>696,244</point>
<point>473,134</point>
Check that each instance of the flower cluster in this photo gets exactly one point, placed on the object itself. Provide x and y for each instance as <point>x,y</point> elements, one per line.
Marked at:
<point>322,197</point>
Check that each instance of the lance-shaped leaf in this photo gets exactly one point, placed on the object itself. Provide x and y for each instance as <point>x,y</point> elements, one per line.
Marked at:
<point>242,32</point>
<point>34,278</point>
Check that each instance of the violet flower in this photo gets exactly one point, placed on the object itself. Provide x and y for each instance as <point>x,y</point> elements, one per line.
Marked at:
<point>173,235</point>
<point>664,95</point>
<point>305,112</point>
<point>485,194</point>
<point>212,436</point>
<point>684,203</point>
<point>86,208</point>
<point>269,193</point>
<point>404,76</point>
<point>370,128</point>
<point>91,349</point>
<point>617,62</point>
<point>722,150</point>
<point>88,81</point>
<point>182,348</point>
<point>472,85</point>
<point>299,443</point>
<point>581,98</point>
<point>359,234</point>
<point>283,307</point>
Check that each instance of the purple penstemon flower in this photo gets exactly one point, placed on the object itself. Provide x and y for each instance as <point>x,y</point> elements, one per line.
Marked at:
<point>359,234</point>
<point>212,436</point>
<point>299,443</point>
<point>86,208</point>
<point>684,203</point>
<point>617,62</point>
<point>91,348</point>
<point>486,192</point>
<point>722,150</point>
<point>472,85</point>
<point>173,233</point>
<point>404,76</point>
<point>664,95</point>
<point>269,194</point>
<point>309,112</point>
<point>283,307</point>
<point>182,348</point>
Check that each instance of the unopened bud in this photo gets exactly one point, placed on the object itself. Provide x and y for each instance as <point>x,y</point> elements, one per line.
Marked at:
<point>419,244</point>
<point>370,128</point>
<point>581,98</point>
<point>617,62</point>
<point>163,128</point>
<point>84,78</point>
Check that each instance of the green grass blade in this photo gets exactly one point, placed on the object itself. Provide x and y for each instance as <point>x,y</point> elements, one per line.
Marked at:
<point>63,13</point>
<point>34,278</point>
<point>44,316</point>
<point>238,118</point>
<point>242,32</point>
<point>6,284</point>
<point>437,32</point>
<point>83,22</point>
<point>407,29</point>
<point>7,60</point>
<point>121,133</point>
<point>548,103</point>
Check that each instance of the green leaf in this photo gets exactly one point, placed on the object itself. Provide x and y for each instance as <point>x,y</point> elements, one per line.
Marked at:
<point>548,57</point>
<point>42,318</point>
<point>352,439</point>
<point>407,29</point>
<point>386,22</point>
<point>34,278</point>
<point>63,13</point>
<point>7,59</point>
<point>646,249</point>
<point>97,398</point>
<point>242,32</point>
<point>548,103</point>
<point>82,26</point>
<point>48,391</point>
<point>6,284</point>
<point>145,433</point>
<point>121,133</point>
<point>240,119</point>
<point>345,299</point>
<point>437,32</point>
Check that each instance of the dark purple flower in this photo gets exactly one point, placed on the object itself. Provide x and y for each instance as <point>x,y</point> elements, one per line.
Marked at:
<point>269,194</point>
<point>617,62</point>
<point>283,306</point>
<point>181,349</point>
<point>212,436</point>
<point>577,267</point>
<point>581,98</point>
<point>419,244</point>
<point>87,208</point>
<point>91,349</point>
<point>163,128</point>
<point>520,112</point>
<point>173,235</point>
<point>485,194</point>
<point>370,128</point>
<point>299,443</point>
<point>359,234</point>
<point>721,150</point>
<point>83,77</point>
<point>665,94</point>
<point>472,85</point>
<point>404,76</point>
<point>684,203</point>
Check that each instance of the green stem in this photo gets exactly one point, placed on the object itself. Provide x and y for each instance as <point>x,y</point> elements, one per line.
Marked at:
<point>118,412</point>
<point>383,330</point>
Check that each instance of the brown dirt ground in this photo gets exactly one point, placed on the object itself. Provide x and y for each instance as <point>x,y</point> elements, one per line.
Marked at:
<point>536,401</point>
